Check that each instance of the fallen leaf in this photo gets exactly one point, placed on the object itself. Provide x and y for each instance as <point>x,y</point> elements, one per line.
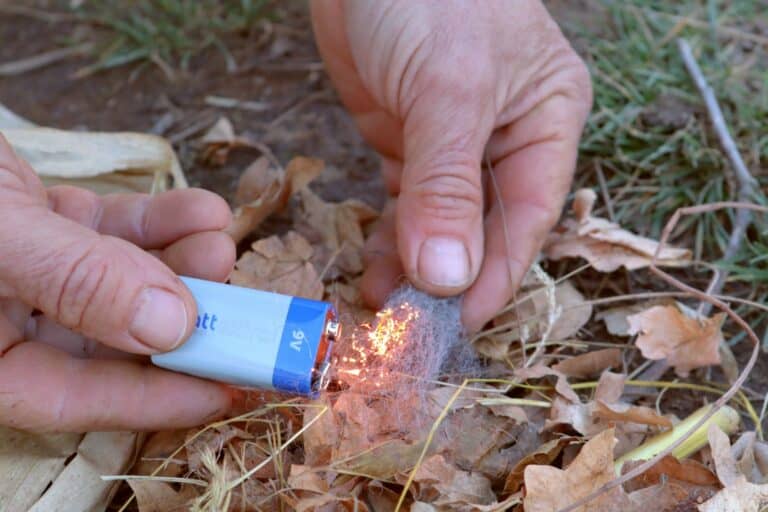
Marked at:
<point>686,470</point>
<point>382,461</point>
<point>604,244</point>
<point>615,319</point>
<point>156,496</point>
<point>219,140</point>
<point>630,413</point>
<point>280,266</point>
<point>539,370</point>
<point>157,449</point>
<point>543,455</point>
<point>444,486</point>
<point>9,119</point>
<point>321,438</point>
<point>530,318</point>
<point>738,494</point>
<point>590,364</point>
<point>306,478</point>
<point>264,189</point>
<point>79,486</point>
<point>338,227</point>
<point>29,462</point>
<point>666,332</point>
<point>752,456</point>
<point>549,489</point>
<point>102,162</point>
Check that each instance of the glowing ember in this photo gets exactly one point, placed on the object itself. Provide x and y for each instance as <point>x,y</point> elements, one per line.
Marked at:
<point>373,347</point>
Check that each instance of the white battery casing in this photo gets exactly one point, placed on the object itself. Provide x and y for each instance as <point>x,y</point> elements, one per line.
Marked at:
<point>251,338</point>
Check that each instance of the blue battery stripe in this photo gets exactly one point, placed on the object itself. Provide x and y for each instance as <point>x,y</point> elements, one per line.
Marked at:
<point>296,356</point>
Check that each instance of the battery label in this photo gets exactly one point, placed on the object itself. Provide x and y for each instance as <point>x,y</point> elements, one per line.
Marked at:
<point>298,350</point>
<point>250,338</point>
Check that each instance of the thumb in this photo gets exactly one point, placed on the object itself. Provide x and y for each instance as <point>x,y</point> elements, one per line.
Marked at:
<point>440,207</point>
<point>101,286</point>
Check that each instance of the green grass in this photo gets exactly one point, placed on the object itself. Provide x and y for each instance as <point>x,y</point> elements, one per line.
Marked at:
<point>651,169</point>
<point>166,32</point>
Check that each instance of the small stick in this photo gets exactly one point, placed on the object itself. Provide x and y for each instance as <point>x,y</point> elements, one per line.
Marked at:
<point>744,179</point>
<point>42,60</point>
<point>746,182</point>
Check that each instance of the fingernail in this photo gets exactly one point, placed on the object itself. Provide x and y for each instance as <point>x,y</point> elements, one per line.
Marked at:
<point>444,261</point>
<point>161,319</point>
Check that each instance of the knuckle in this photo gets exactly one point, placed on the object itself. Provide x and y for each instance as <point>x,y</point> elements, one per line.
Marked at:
<point>82,287</point>
<point>450,191</point>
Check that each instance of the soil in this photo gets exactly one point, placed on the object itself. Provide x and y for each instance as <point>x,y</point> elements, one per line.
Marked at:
<point>284,74</point>
<point>302,114</point>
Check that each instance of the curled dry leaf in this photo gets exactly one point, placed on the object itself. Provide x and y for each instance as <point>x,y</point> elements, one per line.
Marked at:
<point>739,494</point>
<point>605,244</point>
<point>264,189</point>
<point>590,364</point>
<point>667,332</point>
<point>530,319</point>
<point>281,266</point>
<point>102,162</point>
<point>219,140</point>
<point>606,410</point>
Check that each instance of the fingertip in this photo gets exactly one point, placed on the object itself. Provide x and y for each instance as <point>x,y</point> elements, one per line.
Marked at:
<point>209,255</point>
<point>200,208</point>
<point>494,287</point>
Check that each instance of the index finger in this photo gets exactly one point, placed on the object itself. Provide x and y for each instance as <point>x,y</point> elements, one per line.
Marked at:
<point>44,389</point>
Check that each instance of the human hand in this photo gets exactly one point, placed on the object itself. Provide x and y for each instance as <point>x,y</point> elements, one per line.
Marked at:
<point>99,268</point>
<point>434,86</point>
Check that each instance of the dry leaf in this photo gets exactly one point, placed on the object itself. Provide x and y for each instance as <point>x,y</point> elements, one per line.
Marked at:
<point>687,470</point>
<point>219,140</point>
<point>259,195</point>
<point>543,455</point>
<point>156,450</point>
<point>338,227</point>
<point>590,364</point>
<point>666,332</point>
<point>442,485</point>
<point>9,119</point>
<point>549,489</point>
<point>606,410</point>
<point>530,319</point>
<point>321,438</point>
<point>630,413</point>
<point>264,189</point>
<point>281,266</point>
<point>752,456</point>
<point>604,244</point>
<point>156,496</point>
<point>29,463</point>
<point>102,162</point>
<point>79,486</point>
<point>739,494</point>
<point>615,319</point>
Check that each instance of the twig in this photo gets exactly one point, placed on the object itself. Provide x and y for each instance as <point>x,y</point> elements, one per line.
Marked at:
<point>746,182</point>
<point>732,390</point>
<point>38,14</point>
<point>744,194</point>
<point>41,60</point>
